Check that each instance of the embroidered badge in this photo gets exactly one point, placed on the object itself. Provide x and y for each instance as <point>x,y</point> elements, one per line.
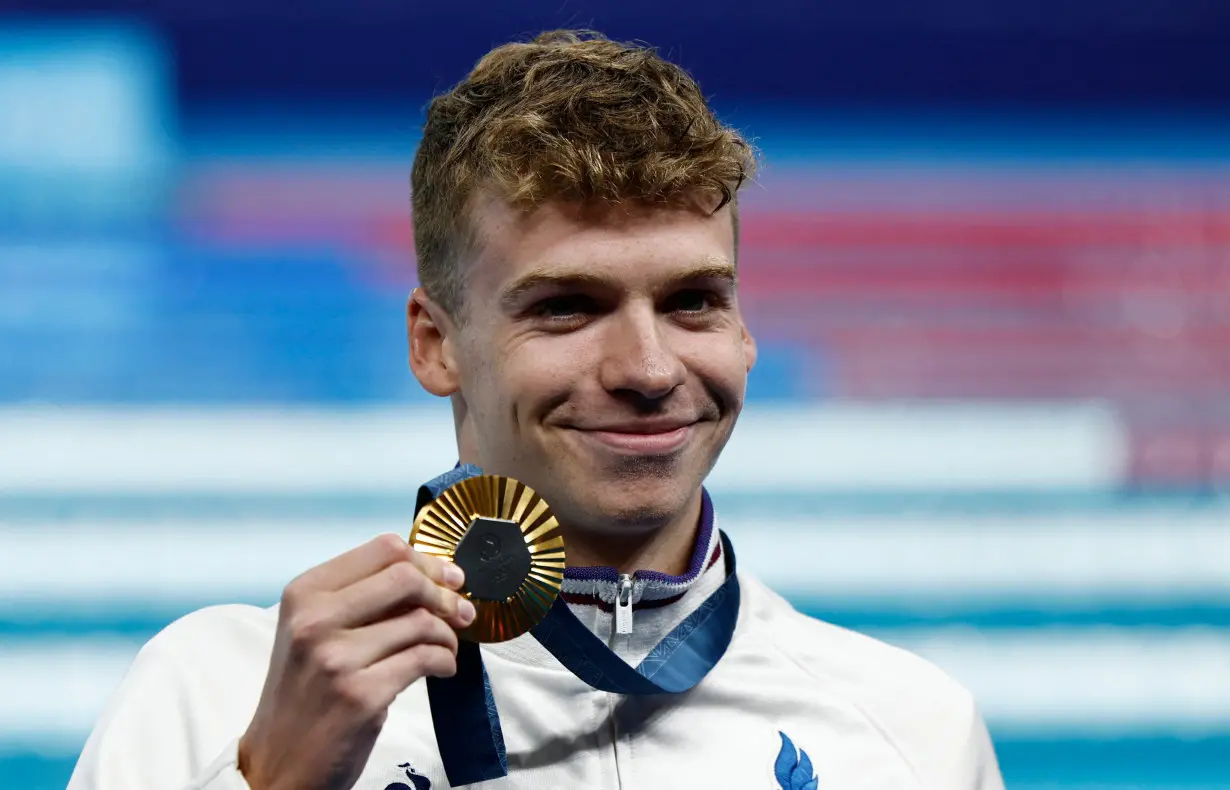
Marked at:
<point>793,768</point>
<point>417,781</point>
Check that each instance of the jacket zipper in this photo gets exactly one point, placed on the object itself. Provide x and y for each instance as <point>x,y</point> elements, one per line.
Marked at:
<point>623,605</point>
<point>623,626</point>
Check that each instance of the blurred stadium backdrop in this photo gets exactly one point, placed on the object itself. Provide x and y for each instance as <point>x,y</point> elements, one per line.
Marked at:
<point>988,264</point>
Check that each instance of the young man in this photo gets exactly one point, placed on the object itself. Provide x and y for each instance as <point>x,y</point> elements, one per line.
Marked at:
<point>576,229</point>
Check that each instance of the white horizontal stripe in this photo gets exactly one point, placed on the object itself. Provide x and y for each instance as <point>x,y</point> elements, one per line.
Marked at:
<point>1112,682</point>
<point>169,563</point>
<point>53,692</point>
<point>149,451</point>
<point>908,447</point>
<point>1127,556</point>
<point>1146,556</point>
<point>1099,680</point>
<point>923,447</point>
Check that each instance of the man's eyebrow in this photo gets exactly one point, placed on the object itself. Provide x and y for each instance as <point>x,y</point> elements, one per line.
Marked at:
<point>556,277</point>
<point>712,269</point>
<point>548,277</point>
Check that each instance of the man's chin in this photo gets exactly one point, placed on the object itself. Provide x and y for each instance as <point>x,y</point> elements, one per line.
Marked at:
<point>625,505</point>
<point>621,491</point>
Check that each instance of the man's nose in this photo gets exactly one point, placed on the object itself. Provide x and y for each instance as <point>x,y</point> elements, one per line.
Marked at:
<point>638,356</point>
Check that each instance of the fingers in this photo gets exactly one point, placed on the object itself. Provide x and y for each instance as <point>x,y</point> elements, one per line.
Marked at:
<point>398,588</point>
<point>397,672</point>
<point>353,633</point>
<point>373,643</point>
<point>370,558</point>
<point>438,570</point>
<point>358,563</point>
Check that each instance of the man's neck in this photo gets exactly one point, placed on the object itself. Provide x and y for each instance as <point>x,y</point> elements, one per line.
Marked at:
<point>667,549</point>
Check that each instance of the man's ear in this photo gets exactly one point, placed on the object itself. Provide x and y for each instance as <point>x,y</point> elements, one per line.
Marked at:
<point>749,346</point>
<point>431,334</point>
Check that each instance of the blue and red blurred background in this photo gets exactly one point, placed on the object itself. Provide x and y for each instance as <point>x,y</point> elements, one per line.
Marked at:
<point>987,262</point>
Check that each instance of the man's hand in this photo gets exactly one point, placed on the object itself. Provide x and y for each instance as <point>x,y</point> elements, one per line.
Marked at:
<point>352,634</point>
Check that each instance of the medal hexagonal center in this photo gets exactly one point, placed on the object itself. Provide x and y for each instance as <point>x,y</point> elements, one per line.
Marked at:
<point>494,557</point>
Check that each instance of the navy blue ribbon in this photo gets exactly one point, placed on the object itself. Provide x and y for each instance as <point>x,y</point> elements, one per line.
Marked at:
<point>463,709</point>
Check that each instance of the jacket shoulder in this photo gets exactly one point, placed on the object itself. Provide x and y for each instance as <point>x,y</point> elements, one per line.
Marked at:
<point>189,692</point>
<point>216,649</point>
<point>215,630</point>
<point>930,717</point>
<point>830,651</point>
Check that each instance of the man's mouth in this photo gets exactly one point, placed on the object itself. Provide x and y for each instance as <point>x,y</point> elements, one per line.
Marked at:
<point>653,436</point>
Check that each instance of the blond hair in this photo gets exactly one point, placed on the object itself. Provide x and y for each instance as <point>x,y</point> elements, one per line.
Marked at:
<point>569,116</point>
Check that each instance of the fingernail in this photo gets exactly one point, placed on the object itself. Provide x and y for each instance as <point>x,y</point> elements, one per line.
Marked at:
<point>465,610</point>
<point>453,576</point>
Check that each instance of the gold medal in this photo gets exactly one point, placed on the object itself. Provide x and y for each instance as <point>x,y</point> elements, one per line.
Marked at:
<point>506,539</point>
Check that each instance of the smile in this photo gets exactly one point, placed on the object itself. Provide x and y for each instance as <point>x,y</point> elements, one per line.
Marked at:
<point>641,441</point>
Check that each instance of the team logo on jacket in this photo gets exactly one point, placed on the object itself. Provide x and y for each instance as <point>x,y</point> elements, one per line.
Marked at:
<point>793,767</point>
<point>417,781</point>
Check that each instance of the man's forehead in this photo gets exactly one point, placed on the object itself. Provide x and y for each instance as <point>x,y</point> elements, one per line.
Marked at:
<point>558,238</point>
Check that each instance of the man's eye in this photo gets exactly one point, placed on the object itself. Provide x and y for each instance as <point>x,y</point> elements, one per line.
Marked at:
<point>565,307</point>
<point>691,301</point>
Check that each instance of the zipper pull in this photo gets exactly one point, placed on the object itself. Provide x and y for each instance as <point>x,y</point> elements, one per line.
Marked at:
<point>623,605</point>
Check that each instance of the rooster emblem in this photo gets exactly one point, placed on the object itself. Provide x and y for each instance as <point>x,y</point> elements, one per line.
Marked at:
<point>417,781</point>
<point>793,767</point>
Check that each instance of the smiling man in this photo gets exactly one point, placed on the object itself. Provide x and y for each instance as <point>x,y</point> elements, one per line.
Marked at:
<point>575,210</point>
<point>599,357</point>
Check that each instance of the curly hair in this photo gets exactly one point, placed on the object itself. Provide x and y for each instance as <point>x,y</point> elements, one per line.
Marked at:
<point>569,116</point>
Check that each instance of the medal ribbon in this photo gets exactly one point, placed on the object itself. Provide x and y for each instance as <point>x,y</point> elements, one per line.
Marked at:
<point>463,709</point>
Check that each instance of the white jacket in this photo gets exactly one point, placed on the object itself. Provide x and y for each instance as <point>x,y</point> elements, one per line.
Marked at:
<point>792,700</point>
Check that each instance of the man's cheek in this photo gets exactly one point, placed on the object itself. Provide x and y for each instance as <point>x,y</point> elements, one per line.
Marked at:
<point>560,365</point>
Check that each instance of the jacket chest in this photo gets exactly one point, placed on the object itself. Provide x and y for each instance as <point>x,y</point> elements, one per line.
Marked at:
<point>561,734</point>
